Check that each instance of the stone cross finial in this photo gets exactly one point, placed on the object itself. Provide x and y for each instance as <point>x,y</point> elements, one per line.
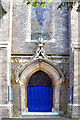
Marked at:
<point>40,53</point>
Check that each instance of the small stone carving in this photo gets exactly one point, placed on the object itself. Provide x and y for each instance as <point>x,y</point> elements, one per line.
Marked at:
<point>40,53</point>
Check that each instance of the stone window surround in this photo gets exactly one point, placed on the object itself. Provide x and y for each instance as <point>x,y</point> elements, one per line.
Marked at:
<point>28,33</point>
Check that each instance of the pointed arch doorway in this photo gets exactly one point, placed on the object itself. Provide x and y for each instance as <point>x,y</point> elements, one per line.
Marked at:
<point>28,70</point>
<point>40,92</point>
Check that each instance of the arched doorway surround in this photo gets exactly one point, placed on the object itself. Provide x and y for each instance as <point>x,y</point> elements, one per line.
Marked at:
<point>49,68</point>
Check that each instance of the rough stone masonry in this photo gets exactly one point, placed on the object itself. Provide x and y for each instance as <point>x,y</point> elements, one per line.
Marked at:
<point>20,30</point>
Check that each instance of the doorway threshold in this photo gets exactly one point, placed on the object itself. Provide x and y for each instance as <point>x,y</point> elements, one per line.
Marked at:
<point>24,113</point>
<point>53,114</point>
<point>40,115</point>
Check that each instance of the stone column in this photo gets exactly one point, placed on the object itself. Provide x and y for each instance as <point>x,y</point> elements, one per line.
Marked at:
<point>76,86</point>
<point>74,107</point>
<point>56,97</point>
<point>23,98</point>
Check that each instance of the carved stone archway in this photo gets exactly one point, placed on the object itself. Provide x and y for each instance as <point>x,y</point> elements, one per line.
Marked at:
<point>44,65</point>
<point>40,64</point>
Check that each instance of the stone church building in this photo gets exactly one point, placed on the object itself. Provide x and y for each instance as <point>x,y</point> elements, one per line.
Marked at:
<point>39,60</point>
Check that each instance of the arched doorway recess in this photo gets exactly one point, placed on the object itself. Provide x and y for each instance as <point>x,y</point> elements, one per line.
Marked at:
<point>39,93</point>
<point>47,67</point>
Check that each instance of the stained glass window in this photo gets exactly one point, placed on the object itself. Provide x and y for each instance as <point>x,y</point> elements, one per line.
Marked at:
<point>40,23</point>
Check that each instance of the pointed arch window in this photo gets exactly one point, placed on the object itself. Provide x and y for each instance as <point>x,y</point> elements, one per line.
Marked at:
<point>40,23</point>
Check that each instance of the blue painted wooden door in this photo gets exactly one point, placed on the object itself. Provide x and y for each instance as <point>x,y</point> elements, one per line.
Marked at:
<point>39,98</point>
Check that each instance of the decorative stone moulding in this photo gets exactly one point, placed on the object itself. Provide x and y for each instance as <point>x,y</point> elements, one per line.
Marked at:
<point>39,62</point>
<point>76,45</point>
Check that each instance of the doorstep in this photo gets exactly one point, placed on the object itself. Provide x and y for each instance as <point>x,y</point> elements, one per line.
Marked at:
<point>53,114</point>
<point>39,113</point>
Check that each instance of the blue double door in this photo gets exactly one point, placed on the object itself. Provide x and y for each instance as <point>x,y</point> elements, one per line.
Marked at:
<point>39,98</point>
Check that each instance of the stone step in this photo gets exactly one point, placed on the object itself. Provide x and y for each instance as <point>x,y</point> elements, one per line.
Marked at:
<point>43,117</point>
<point>24,113</point>
<point>53,114</point>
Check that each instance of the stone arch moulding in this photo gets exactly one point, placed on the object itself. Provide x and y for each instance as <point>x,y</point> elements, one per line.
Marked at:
<point>48,67</point>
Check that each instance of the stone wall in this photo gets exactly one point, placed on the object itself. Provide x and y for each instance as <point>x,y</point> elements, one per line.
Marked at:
<point>5,22</point>
<point>4,106</point>
<point>58,30</point>
<point>3,76</point>
<point>24,31</point>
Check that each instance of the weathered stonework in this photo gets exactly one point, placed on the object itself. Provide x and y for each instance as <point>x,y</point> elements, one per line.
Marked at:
<point>74,62</point>
<point>58,55</point>
<point>4,112</point>
<point>5,21</point>
<point>59,100</point>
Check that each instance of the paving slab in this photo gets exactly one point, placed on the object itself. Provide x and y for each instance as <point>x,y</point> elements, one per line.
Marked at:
<point>40,119</point>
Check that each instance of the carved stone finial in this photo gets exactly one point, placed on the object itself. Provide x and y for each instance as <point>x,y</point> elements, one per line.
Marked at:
<point>40,53</point>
